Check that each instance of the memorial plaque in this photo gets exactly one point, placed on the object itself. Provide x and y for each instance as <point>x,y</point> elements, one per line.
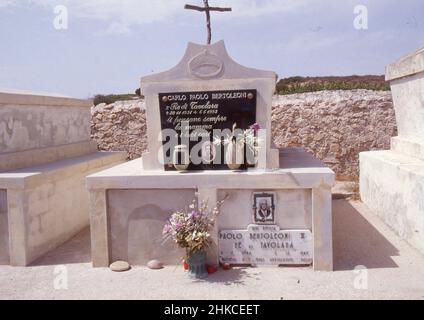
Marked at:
<point>266,245</point>
<point>207,110</point>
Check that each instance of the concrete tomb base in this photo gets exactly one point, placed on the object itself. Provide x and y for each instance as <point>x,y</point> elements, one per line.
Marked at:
<point>45,155</point>
<point>392,182</point>
<point>129,206</point>
<point>392,185</point>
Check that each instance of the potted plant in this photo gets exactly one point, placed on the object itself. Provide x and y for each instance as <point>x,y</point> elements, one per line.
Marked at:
<point>190,230</point>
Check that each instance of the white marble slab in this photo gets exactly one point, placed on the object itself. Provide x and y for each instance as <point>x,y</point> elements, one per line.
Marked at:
<point>266,245</point>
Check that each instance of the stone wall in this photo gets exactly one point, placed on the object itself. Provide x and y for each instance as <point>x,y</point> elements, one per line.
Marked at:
<point>334,125</point>
<point>120,126</point>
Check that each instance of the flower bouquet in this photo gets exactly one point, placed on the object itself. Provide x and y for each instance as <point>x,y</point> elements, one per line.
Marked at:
<point>190,230</point>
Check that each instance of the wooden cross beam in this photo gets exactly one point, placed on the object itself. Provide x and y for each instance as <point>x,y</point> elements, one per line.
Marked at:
<point>208,10</point>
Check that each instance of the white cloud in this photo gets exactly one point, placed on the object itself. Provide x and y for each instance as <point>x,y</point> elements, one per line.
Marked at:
<point>255,8</point>
<point>6,3</point>
<point>118,28</point>
<point>122,14</point>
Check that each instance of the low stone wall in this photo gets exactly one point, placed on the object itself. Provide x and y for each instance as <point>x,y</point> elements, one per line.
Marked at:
<point>120,126</point>
<point>334,125</point>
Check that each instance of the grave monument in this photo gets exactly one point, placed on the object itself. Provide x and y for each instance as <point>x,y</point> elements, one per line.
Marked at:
<point>45,153</point>
<point>277,209</point>
<point>392,181</point>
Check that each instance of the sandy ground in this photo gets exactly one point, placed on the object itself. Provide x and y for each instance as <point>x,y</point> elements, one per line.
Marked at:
<point>394,271</point>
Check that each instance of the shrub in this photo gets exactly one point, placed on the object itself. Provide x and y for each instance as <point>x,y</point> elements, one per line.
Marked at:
<point>111,98</point>
<point>311,84</point>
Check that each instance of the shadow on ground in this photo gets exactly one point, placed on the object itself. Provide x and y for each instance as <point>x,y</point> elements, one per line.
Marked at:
<point>357,242</point>
<point>236,275</point>
<point>76,250</point>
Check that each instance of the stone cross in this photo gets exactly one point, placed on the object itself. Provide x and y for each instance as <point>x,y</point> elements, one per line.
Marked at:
<point>208,10</point>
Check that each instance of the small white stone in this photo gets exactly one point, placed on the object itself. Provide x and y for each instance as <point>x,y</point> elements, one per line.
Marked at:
<point>120,266</point>
<point>155,264</point>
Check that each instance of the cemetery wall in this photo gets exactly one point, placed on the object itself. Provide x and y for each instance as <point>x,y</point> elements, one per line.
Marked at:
<point>120,126</point>
<point>334,125</point>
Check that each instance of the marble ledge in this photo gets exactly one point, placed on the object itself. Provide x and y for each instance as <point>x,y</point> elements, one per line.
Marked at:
<point>15,97</point>
<point>131,175</point>
<point>407,66</point>
<point>58,170</point>
<point>401,162</point>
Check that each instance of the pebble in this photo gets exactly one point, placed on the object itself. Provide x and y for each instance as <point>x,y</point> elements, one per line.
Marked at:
<point>155,264</point>
<point>120,266</point>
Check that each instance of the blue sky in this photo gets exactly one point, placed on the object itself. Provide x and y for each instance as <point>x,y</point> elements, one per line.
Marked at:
<point>110,44</point>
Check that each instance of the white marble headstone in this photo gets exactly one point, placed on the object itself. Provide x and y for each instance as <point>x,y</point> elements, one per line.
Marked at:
<point>207,68</point>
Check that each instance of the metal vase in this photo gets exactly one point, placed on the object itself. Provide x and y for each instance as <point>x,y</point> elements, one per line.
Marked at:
<point>234,155</point>
<point>181,158</point>
<point>197,265</point>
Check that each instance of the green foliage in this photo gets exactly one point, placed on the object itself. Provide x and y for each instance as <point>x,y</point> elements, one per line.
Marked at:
<point>311,84</point>
<point>111,98</point>
<point>289,86</point>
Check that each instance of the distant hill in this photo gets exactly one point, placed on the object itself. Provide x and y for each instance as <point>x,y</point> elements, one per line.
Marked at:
<point>310,84</point>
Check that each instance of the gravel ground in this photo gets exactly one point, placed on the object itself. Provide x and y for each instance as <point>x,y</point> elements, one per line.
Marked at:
<point>394,271</point>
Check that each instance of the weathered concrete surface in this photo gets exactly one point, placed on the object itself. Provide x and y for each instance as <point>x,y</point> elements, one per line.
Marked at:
<point>48,204</point>
<point>139,200</point>
<point>360,238</point>
<point>36,129</point>
<point>392,182</point>
<point>21,159</point>
<point>406,66</point>
<point>392,185</point>
<point>411,147</point>
<point>408,99</point>
<point>45,153</point>
<point>3,200</point>
<point>4,233</point>
<point>406,78</point>
<point>136,219</point>
<point>33,126</point>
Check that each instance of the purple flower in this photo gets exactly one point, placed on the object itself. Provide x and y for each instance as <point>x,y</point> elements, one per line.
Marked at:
<point>194,215</point>
<point>178,226</point>
<point>255,126</point>
<point>167,229</point>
